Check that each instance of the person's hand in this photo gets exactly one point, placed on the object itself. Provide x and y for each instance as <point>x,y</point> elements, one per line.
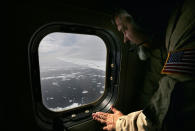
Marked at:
<point>108,118</point>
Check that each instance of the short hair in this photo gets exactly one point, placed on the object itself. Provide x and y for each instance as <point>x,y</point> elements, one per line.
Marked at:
<point>123,13</point>
<point>120,13</point>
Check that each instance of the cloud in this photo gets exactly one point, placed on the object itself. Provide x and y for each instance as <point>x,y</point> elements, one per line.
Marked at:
<point>70,45</point>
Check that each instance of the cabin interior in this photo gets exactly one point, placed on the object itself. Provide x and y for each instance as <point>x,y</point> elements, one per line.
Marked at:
<point>135,81</point>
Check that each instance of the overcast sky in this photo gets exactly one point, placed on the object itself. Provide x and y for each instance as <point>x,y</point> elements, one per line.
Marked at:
<point>69,45</point>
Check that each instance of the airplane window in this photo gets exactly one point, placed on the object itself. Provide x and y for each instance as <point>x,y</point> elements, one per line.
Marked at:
<point>72,70</point>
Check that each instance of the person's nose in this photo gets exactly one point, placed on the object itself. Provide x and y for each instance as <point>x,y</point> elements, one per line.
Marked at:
<point>125,38</point>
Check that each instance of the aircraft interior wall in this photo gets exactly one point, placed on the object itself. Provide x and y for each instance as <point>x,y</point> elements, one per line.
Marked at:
<point>24,20</point>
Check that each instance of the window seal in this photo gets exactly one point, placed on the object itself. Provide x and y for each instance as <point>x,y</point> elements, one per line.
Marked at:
<point>46,116</point>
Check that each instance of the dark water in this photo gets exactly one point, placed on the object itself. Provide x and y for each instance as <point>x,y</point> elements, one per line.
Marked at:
<point>79,85</point>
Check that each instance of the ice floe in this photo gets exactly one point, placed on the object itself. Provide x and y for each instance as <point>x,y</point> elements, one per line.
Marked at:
<point>58,109</point>
<point>84,91</point>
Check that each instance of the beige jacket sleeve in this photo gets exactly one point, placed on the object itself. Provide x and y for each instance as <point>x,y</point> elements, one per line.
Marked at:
<point>156,110</point>
<point>135,121</point>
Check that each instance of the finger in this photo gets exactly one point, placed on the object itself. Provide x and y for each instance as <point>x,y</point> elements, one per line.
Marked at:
<point>100,120</point>
<point>109,120</point>
<point>94,114</point>
<point>114,109</point>
<point>101,115</point>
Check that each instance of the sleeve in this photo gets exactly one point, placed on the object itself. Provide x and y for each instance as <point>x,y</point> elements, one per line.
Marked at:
<point>159,104</point>
<point>180,43</point>
<point>151,118</point>
<point>135,121</point>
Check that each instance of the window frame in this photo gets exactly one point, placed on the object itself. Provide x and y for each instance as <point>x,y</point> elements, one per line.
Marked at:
<point>47,117</point>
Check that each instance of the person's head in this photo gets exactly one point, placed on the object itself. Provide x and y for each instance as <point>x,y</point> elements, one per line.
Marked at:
<point>126,24</point>
<point>131,32</point>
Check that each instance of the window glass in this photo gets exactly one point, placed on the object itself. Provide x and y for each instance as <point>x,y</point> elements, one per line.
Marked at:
<point>72,70</point>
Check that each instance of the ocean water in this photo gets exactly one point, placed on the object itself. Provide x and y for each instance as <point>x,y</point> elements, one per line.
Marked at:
<point>71,85</point>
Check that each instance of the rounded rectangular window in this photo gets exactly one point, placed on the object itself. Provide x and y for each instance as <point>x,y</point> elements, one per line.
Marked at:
<point>72,70</point>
